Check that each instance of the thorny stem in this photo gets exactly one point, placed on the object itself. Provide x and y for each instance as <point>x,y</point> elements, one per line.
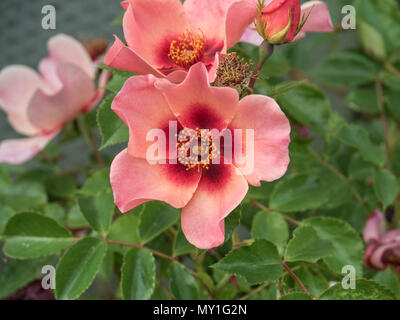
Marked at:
<point>293,275</point>
<point>89,139</point>
<point>384,119</point>
<point>262,207</point>
<point>335,171</point>
<point>266,51</point>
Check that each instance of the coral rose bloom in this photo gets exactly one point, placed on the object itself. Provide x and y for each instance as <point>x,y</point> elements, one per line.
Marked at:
<point>38,105</point>
<point>206,193</point>
<point>166,37</point>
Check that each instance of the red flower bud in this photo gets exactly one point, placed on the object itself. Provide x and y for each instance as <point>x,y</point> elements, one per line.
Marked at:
<point>281,19</point>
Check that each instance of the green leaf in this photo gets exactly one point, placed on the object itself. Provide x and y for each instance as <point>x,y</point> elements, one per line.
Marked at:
<point>107,267</point>
<point>17,274</point>
<point>113,129</point>
<point>385,186</point>
<point>390,80</point>
<point>313,279</point>
<point>349,248</point>
<point>181,245</point>
<point>390,279</point>
<point>363,100</point>
<point>308,105</point>
<point>359,169</point>
<point>30,235</point>
<point>98,210</point>
<point>298,193</point>
<point>356,137</point>
<point>296,296</point>
<point>345,69</point>
<point>120,72</point>
<point>22,195</point>
<point>138,274</point>
<point>183,285</point>
<point>96,183</point>
<point>55,212</point>
<point>372,40</point>
<point>61,186</point>
<point>75,218</point>
<point>156,218</point>
<point>271,227</point>
<point>78,267</point>
<point>307,246</point>
<point>365,290</point>
<point>232,221</point>
<point>257,263</point>
<point>5,214</point>
<point>125,229</point>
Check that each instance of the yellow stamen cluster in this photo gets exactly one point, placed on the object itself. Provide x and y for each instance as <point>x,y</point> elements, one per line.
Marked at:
<point>188,49</point>
<point>196,148</point>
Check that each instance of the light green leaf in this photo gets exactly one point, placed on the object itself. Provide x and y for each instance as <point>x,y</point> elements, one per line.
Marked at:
<point>271,227</point>
<point>307,246</point>
<point>298,193</point>
<point>30,235</point>
<point>385,186</point>
<point>390,279</point>
<point>365,290</point>
<point>138,274</point>
<point>22,195</point>
<point>372,40</point>
<point>125,229</point>
<point>5,214</point>
<point>308,105</point>
<point>363,100</point>
<point>183,285</point>
<point>113,129</point>
<point>349,248</point>
<point>75,218</point>
<point>346,69</point>
<point>181,245</point>
<point>78,267</point>
<point>156,218</point>
<point>257,263</point>
<point>55,212</point>
<point>96,183</point>
<point>98,210</point>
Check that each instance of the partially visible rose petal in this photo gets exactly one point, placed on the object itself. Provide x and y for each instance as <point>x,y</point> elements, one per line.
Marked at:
<point>239,16</point>
<point>18,151</point>
<point>121,57</point>
<point>48,70</point>
<point>51,112</point>
<point>134,181</point>
<point>101,88</point>
<point>219,192</point>
<point>198,105</point>
<point>368,253</point>
<point>143,108</point>
<point>17,85</point>
<point>148,26</point>
<point>374,227</point>
<point>251,36</point>
<point>271,138</point>
<point>319,19</point>
<point>376,258</point>
<point>65,49</point>
<point>391,236</point>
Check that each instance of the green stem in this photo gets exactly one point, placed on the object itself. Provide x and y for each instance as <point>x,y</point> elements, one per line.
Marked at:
<point>85,131</point>
<point>255,291</point>
<point>262,207</point>
<point>265,52</point>
<point>293,275</point>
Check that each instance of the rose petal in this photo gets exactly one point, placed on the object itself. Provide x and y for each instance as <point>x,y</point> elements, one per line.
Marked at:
<point>18,151</point>
<point>50,112</point>
<point>148,26</point>
<point>251,36</point>
<point>17,85</point>
<point>65,49</point>
<point>391,236</point>
<point>319,19</point>
<point>219,192</point>
<point>198,105</point>
<point>374,227</point>
<point>121,57</point>
<point>376,258</point>
<point>134,181</point>
<point>143,108</point>
<point>271,138</point>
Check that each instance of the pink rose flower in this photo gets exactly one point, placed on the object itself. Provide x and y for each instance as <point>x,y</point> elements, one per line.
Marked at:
<point>319,20</point>
<point>207,193</point>
<point>38,105</point>
<point>383,247</point>
<point>165,37</point>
